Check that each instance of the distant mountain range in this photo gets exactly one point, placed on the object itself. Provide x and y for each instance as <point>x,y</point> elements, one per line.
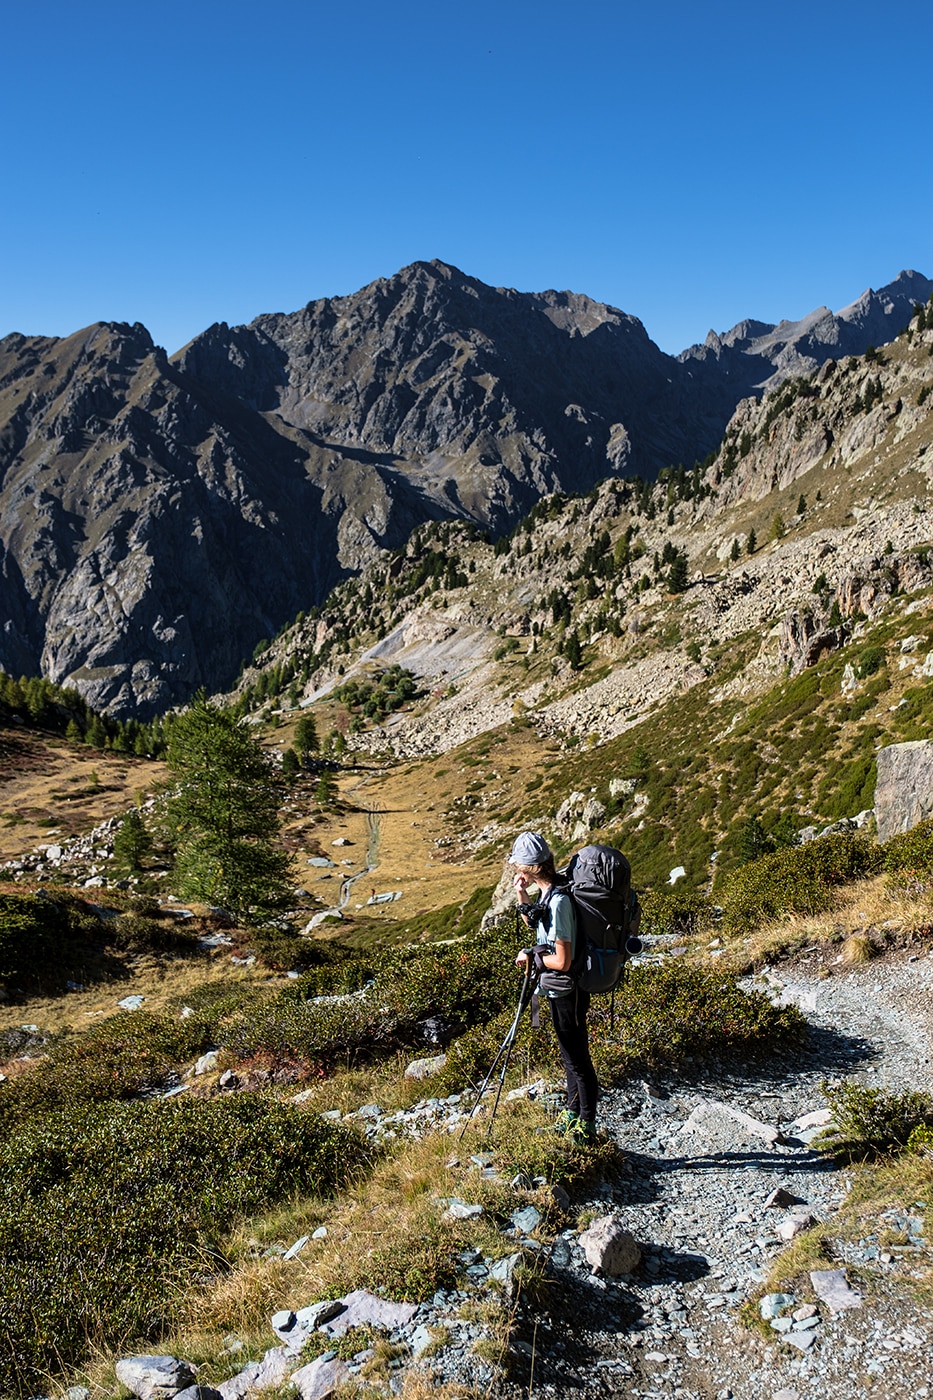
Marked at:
<point>159,517</point>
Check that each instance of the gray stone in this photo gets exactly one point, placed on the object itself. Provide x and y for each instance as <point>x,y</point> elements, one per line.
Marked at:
<point>317,1314</point>
<point>904,787</point>
<point>773,1304</point>
<point>609,1247</point>
<point>207,1062</point>
<point>77,1392</point>
<point>801,1340</point>
<point>782,1200</point>
<point>832,1287</point>
<point>199,1392</point>
<point>527,1219</point>
<point>795,1224</point>
<point>155,1377</point>
<point>560,1197</point>
<point>364,1309</point>
<point>720,1126</point>
<point>283,1324</point>
<point>460,1210</point>
<point>320,1378</point>
<point>503,1270</point>
<point>423,1069</point>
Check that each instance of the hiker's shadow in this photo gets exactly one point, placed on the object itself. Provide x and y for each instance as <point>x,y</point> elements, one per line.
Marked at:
<point>562,1354</point>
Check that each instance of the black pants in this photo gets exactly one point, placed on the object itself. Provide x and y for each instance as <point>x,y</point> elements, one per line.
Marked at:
<point>569,1016</point>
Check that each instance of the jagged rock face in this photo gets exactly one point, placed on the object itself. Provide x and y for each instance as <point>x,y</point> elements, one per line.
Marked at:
<point>486,398</point>
<point>755,355</point>
<point>144,545</point>
<point>157,518</point>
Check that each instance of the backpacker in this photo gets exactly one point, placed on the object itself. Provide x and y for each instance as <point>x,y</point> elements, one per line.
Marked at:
<point>599,881</point>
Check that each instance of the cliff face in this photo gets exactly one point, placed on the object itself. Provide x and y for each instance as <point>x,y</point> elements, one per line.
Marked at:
<point>158,518</point>
<point>485,397</point>
<point>145,539</point>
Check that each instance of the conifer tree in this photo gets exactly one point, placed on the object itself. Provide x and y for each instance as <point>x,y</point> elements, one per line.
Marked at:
<point>224,814</point>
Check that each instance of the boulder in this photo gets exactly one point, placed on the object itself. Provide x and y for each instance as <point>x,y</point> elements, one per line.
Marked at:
<point>610,1248</point>
<point>364,1309</point>
<point>832,1287</point>
<point>423,1069</point>
<point>320,1378</point>
<point>155,1377</point>
<point>904,788</point>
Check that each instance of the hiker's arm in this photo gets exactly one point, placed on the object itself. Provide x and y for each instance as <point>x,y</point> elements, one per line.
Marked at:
<point>559,960</point>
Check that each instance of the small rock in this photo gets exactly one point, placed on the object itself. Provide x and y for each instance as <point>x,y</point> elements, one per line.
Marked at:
<point>318,1314</point>
<point>832,1287</point>
<point>297,1247</point>
<point>155,1377</point>
<point>199,1392</point>
<point>527,1219</point>
<point>362,1309</point>
<point>793,1225</point>
<point>320,1233</point>
<point>773,1304</point>
<point>782,1200</point>
<point>460,1210</point>
<point>503,1270</point>
<point>804,1311</point>
<point>423,1069</point>
<point>609,1247</point>
<point>207,1062</point>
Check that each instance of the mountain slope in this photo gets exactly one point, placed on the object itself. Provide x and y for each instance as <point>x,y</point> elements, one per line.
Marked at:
<point>158,518</point>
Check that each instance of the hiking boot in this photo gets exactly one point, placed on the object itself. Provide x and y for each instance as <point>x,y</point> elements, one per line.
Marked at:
<point>565,1122</point>
<point>582,1130</point>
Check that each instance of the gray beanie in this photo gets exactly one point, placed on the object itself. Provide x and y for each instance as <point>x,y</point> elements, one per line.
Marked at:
<point>529,849</point>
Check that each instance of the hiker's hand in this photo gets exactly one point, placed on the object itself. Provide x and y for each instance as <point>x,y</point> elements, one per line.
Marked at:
<point>522,958</point>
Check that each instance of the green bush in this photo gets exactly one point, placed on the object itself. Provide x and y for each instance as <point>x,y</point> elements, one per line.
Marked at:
<point>677,913</point>
<point>872,1122</point>
<point>461,982</point>
<point>44,941</point>
<point>909,856</point>
<point>108,1214</point>
<point>797,880</point>
<point>121,1058</point>
<point>669,1014</point>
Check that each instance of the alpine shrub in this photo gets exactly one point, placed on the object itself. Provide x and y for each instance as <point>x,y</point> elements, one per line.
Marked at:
<point>871,1122</point>
<point>797,880</point>
<point>909,856</point>
<point>107,1213</point>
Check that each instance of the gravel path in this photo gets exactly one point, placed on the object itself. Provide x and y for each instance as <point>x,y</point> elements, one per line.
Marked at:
<point>695,1199</point>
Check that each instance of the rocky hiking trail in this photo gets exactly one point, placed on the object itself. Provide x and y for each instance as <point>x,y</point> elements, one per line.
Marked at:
<point>718,1176</point>
<point>717,1173</point>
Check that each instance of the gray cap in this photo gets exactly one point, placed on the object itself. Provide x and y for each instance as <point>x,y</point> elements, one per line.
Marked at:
<point>529,849</point>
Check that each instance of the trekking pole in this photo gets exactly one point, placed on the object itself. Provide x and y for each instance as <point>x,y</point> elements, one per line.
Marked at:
<point>505,1049</point>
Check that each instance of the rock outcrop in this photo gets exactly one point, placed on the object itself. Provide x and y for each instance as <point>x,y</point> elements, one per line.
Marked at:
<point>904,789</point>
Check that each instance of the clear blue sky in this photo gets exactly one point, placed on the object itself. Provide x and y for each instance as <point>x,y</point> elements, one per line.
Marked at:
<point>190,161</point>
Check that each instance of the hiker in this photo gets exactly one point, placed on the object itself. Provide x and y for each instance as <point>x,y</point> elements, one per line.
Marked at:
<point>553,920</point>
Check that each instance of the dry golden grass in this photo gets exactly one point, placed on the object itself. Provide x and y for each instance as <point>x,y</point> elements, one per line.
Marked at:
<point>858,949</point>
<point>47,789</point>
<point>159,980</point>
<point>873,904</point>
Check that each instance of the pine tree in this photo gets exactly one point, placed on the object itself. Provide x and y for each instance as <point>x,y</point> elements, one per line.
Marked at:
<point>752,542</point>
<point>677,577</point>
<point>132,843</point>
<point>306,740</point>
<point>224,813</point>
<point>735,550</point>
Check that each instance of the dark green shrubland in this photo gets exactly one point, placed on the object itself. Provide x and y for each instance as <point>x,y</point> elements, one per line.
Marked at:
<point>796,880</point>
<point>107,1214</point>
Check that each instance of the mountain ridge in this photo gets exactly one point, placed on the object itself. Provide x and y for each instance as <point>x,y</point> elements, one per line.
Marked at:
<point>161,515</point>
